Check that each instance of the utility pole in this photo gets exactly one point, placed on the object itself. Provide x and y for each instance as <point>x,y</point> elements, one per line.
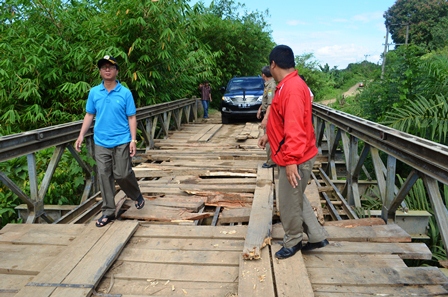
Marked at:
<point>407,34</point>
<point>385,51</point>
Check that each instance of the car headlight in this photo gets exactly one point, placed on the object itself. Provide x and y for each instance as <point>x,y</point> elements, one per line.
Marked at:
<point>227,99</point>
<point>260,98</point>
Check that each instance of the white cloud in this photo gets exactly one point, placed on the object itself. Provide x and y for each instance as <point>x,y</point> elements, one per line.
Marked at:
<point>295,23</point>
<point>368,17</point>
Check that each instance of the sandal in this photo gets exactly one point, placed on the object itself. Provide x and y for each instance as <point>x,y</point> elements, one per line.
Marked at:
<point>140,202</point>
<point>104,220</point>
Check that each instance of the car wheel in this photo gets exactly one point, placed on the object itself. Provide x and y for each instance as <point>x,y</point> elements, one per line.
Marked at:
<point>224,119</point>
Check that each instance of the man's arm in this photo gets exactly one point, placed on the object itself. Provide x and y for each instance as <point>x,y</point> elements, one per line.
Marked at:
<point>133,128</point>
<point>87,122</point>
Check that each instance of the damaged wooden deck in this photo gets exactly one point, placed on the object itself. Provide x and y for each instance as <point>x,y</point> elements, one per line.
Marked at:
<point>205,175</point>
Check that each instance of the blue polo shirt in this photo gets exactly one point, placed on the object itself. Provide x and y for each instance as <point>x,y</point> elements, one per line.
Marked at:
<point>111,110</point>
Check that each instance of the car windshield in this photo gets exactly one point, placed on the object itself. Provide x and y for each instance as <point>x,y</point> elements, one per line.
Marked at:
<point>247,84</point>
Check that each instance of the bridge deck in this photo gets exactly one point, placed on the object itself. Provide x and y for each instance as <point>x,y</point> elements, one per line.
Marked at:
<point>202,176</point>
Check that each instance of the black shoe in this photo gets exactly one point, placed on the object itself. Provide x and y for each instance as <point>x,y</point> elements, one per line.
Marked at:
<point>104,220</point>
<point>266,165</point>
<point>315,245</point>
<point>284,252</point>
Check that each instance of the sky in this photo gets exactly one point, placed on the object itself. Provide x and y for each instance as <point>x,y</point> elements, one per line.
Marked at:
<point>337,32</point>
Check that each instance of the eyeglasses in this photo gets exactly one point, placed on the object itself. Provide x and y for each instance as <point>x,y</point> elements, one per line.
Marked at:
<point>110,67</point>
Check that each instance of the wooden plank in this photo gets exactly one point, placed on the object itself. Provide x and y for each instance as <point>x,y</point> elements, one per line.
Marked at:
<point>27,259</point>
<point>210,133</point>
<point>44,234</point>
<point>312,194</point>
<point>376,233</point>
<point>11,284</point>
<point>165,231</point>
<point>180,188</point>
<point>291,276</point>
<point>413,250</point>
<point>61,266</point>
<point>162,214</point>
<point>188,202</point>
<point>155,287</point>
<point>102,255</point>
<point>352,260</point>
<point>373,276</point>
<point>356,222</point>
<point>91,253</point>
<point>217,258</point>
<point>237,215</point>
<point>198,135</point>
<point>260,223</point>
<point>255,277</point>
<point>163,272</point>
<point>197,244</point>
<point>357,291</point>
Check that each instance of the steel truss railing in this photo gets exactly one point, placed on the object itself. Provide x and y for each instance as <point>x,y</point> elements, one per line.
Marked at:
<point>153,121</point>
<point>357,138</point>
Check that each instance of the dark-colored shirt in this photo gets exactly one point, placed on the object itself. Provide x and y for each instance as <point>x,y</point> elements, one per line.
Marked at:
<point>205,92</point>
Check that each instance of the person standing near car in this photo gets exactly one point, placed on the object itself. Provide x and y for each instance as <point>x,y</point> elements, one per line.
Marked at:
<point>206,97</point>
<point>263,111</point>
<point>113,107</point>
<point>291,135</point>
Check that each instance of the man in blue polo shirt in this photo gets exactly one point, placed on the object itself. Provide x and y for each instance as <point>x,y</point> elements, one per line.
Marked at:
<point>113,108</point>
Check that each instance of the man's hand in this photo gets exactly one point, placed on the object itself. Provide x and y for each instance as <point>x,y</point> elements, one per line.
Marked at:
<point>264,122</point>
<point>292,174</point>
<point>262,141</point>
<point>78,143</point>
<point>132,149</point>
<point>259,113</point>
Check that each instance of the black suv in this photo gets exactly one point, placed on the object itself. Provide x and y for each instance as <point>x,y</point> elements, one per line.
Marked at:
<point>241,98</point>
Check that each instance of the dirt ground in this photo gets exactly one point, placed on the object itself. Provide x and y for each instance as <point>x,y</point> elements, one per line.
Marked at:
<point>352,91</point>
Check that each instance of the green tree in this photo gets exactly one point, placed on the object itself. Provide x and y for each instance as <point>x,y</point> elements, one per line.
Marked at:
<point>421,15</point>
<point>244,41</point>
<point>426,115</point>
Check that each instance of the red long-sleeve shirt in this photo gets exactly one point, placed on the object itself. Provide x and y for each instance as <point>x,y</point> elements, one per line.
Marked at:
<point>289,129</point>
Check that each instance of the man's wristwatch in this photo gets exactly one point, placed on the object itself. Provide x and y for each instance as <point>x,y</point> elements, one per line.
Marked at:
<point>134,140</point>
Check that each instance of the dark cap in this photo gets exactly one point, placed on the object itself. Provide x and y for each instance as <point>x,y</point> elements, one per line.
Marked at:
<point>107,59</point>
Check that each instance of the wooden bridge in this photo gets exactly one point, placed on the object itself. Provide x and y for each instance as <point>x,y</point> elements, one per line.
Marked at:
<point>210,227</point>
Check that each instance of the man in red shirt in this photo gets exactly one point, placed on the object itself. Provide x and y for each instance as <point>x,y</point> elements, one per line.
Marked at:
<point>290,134</point>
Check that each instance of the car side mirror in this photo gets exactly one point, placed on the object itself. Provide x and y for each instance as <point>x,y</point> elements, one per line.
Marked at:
<point>222,89</point>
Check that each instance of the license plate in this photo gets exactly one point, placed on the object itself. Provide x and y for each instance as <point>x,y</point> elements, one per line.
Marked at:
<point>244,105</point>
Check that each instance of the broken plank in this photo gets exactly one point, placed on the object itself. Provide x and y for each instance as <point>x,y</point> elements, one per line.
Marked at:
<point>237,215</point>
<point>255,277</point>
<point>188,202</point>
<point>162,213</point>
<point>260,223</point>
<point>312,194</point>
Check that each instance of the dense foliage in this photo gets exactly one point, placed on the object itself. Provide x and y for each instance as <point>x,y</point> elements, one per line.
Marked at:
<point>427,20</point>
<point>49,50</point>
<point>164,48</point>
